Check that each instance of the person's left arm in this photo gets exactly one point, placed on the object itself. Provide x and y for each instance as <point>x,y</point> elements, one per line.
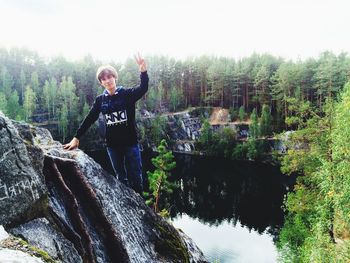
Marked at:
<point>137,92</point>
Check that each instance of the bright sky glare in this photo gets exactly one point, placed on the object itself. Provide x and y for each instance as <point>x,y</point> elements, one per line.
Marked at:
<point>114,29</point>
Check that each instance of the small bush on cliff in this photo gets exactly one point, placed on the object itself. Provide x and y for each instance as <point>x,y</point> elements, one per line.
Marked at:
<point>158,180</point>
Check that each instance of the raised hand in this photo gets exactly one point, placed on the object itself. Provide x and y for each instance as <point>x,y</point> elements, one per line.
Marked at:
<point>141,62</point>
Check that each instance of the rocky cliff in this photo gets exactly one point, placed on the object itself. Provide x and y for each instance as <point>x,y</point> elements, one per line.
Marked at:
<point>63,202</point>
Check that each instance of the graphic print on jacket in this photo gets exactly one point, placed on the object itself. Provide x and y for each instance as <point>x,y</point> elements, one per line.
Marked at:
<point>115,118</point>
<point>114,110</point>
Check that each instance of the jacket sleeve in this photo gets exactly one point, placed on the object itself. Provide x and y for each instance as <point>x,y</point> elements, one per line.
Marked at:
<point>136,93</point>
<point>90,118</point>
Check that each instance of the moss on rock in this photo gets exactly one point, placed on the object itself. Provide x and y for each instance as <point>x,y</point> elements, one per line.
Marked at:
<point>16,243</point>
<point>170,244</point>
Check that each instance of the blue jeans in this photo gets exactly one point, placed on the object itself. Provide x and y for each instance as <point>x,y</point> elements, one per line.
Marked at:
<point>127,165</point>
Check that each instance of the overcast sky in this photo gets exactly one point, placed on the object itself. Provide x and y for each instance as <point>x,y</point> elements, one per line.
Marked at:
<point>177,28</point>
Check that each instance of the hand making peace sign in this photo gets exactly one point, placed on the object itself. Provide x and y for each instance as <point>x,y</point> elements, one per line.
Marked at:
<point>141,62</point>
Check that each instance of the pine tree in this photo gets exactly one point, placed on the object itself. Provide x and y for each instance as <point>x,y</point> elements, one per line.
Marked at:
<point>175,98</point>
<point>262,86</point>
<point>206,136</point>
<point>216,82</point>
<point>265,121</point>
<point>86,109</point>
<point>34,81</point>
<point>63,122</point>
<point>254,129</point>
<point>160,94</point>
<point>22,83</point>
<point>158,180</point>
<point>241,113</point>
<point>68,98</point>
<point>157,128</point>
<point>53,94</point>
<point>13,107</point>
<point>151,99</point>
<point>47,99</point>
<point>6,82</point>
<point>282,90</point>
<point>313,216</point>
<point>29,103</point>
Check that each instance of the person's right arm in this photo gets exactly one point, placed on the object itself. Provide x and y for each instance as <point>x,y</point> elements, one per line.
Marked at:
<point>85,125</point>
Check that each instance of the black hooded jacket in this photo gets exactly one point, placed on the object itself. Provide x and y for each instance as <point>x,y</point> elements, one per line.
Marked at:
<point>119,114</point>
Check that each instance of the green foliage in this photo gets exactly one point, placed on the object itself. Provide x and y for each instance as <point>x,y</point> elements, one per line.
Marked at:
<point>318,209</point>
<point>46,98</point>
<point>63,122</point>
<point>3,103</point>
<point>128,74</point>
<point>68,105</point>
<point>175,98</point>
<point>13,108</point>
<point>6,81</point>
<point>233,114</point>
<point>170,244</point>
<point>22,83</point>
<point>226,139</point>
<point>164,213</point>
<point>254,128</point>
<point>86,109</point>
<point>223,143</point>
<point>340,150</point>
<point>262,83</point>
<point>152,99</point>
<point>284,82</point>
<point>206,137</point>
<point>157,129</point>
<point>241,113</point>
<point>252,149</point>
<point>35,251</point>
<point>265,121</point>
<point>52,93</point>
<point>160,93</point>
<point>29,103</point>
<point>218,75</point>
<point>158,180</point>
<point>34,83</point>
<point>217,143</point>
<point>292,238</point>
<point>49,99</point>
<point>239,151</point>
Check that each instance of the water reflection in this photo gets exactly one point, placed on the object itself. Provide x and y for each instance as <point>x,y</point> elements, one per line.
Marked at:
<point>215,190</point>
<point>228,244</point>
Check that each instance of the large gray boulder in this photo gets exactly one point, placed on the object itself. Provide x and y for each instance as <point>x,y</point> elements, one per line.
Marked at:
<point>22,185</point>
<point>75,210</point>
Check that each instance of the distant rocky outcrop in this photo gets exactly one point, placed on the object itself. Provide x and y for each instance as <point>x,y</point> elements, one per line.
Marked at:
<point>183,129</point>
<point>63,202</point>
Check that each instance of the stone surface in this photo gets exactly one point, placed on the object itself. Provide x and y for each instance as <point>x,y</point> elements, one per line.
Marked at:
<point>88,215</point>
<point>22,184</point>
<point>41,234</point>
<point>3,233</point>
<point>15,256</point>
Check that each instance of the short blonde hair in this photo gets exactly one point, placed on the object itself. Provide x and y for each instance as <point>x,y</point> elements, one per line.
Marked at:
<point>106,70</point>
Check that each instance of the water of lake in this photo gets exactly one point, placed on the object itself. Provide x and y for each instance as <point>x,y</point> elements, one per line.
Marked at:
<point>231,209</point>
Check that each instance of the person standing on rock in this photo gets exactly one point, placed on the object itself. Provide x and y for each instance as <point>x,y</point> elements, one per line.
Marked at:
<point>117,105</point>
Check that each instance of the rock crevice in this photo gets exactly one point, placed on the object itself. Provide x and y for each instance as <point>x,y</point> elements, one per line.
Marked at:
<point>79,212</point>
